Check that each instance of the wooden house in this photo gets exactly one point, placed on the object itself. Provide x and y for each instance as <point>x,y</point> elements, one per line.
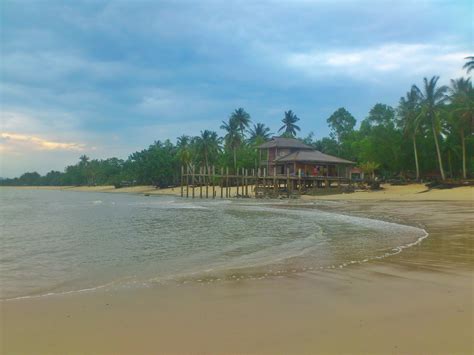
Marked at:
<point>289,156</point>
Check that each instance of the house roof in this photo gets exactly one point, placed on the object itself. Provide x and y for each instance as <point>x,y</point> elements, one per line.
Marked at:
<point>313,156</point>
<point>280,142</point>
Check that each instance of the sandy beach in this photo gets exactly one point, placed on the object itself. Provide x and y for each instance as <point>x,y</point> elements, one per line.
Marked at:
<point>412,192</point>
<point>420,301</point>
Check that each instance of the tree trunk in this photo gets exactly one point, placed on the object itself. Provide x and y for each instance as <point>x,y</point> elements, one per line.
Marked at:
<point>440,161</point>
<point>235,160</point>
<point>416,159</point>
<point>463,144</point>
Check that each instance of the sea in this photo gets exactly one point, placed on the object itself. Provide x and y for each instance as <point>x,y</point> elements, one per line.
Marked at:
<point>55,242</point>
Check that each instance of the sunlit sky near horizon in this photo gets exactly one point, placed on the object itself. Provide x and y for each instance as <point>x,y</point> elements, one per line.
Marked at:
<point>107,78</point>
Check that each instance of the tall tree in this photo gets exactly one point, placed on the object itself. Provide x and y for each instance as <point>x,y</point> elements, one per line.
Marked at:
<point>241,118</point>
<point>408,114</point>
<point>341,122</point>
<point>462,112</point>
<point>184,150</point>
<point>469,65</point>
<point>233,138</point>
<point>259,130</point>
<point>208,146</point>
<point>289,124</point>
<point>432,102</point>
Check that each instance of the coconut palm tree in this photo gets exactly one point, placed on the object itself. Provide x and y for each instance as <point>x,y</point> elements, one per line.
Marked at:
<point>289,124</point>
<point>208,146</point>
<point>469,65</point>
<point>241,118</point>
<point>462,113</point>
<point>259,130</point>
<point>233,137</point>
<point>83,160</point>
<point>432,102</point>
<point>409,121</point>
<point>184,150</point>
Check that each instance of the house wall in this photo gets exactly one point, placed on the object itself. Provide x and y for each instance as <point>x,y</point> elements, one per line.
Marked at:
<point>308,169</point>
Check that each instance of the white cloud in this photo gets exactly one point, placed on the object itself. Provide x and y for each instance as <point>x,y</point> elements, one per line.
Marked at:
<point>407,60</point>
<point>7,140</point>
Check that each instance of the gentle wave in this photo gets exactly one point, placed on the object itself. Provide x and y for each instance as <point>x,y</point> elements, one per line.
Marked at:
<point>276,239</point>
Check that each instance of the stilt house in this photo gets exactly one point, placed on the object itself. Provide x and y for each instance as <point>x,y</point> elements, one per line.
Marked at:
<point>289,156</point>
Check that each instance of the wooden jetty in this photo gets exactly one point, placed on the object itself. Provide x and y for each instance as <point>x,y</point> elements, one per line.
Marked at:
<point>206,182</point>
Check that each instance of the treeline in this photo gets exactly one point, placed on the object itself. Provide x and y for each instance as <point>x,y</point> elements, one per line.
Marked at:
<point>428,135</point>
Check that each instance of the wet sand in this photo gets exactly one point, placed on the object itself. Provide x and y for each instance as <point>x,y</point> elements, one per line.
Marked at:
<point>418,301</point>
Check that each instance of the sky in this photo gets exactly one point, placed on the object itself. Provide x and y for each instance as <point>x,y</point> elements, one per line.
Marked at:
<point>107,78</point>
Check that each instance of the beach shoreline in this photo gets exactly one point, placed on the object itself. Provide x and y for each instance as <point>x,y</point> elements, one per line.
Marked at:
<point>411,192</point>
<point>418,301</point>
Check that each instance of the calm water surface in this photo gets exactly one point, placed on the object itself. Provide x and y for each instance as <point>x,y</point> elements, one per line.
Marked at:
<point>59,241</point>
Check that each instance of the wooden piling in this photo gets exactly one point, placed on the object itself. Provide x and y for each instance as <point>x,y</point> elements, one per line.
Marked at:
<point>213,182</point>
<point>192,179</point>
<point>200,181</point>
<point>275,179</point>
<point>227,183</point>
<point>221,181</point>
<point>182,177</point>
<point>299,180</point>
<point>288,182</point>
<point>206,180</point>
<point>265,180</point>
<point>246,183</point>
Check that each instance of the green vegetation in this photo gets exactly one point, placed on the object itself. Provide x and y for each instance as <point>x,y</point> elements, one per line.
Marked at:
<point>429,135</point>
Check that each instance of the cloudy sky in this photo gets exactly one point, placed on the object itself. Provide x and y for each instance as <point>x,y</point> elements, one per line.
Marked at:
<point>106,78</point>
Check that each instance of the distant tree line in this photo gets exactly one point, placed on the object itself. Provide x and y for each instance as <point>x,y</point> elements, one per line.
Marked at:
<point>428,135</point>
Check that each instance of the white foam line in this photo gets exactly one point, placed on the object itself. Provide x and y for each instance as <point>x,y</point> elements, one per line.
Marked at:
<point>60,293</point>
<point>396,250</point>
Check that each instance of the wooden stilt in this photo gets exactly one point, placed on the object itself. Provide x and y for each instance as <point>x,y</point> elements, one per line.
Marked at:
<point>275,179</point>
<point>227,183</point>
<point>246,183</point>
<point>243,182</point>
<point>182,177</point>
<point>288,182</point>
<point>192,179</point>
<point>206,180</point>
<point>265,180</point>
<point>187,182</point>
<point>222,182</point>
<point>213,182</point>
<point>200,182</point>
<point>299,180</point>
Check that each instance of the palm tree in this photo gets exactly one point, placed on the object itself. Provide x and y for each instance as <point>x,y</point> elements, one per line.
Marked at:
<point>208,146</point>
<point>241,118</point>
<point>233,137</point>
<point>469,65</point>
<point>462,114</point>
<point>408,113</point>
<point>184,152</point>
<point>259,130</point>
<point>432,102</point>
<point>289,125</point>
<point>83,160</point>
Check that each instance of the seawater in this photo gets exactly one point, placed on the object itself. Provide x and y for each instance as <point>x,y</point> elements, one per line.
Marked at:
<point>55,242</point>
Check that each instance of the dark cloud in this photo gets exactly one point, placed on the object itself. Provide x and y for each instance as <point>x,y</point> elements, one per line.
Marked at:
<point>153,67</point>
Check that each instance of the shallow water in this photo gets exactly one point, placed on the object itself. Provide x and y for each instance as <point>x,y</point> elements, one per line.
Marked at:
<point>59,241</point>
